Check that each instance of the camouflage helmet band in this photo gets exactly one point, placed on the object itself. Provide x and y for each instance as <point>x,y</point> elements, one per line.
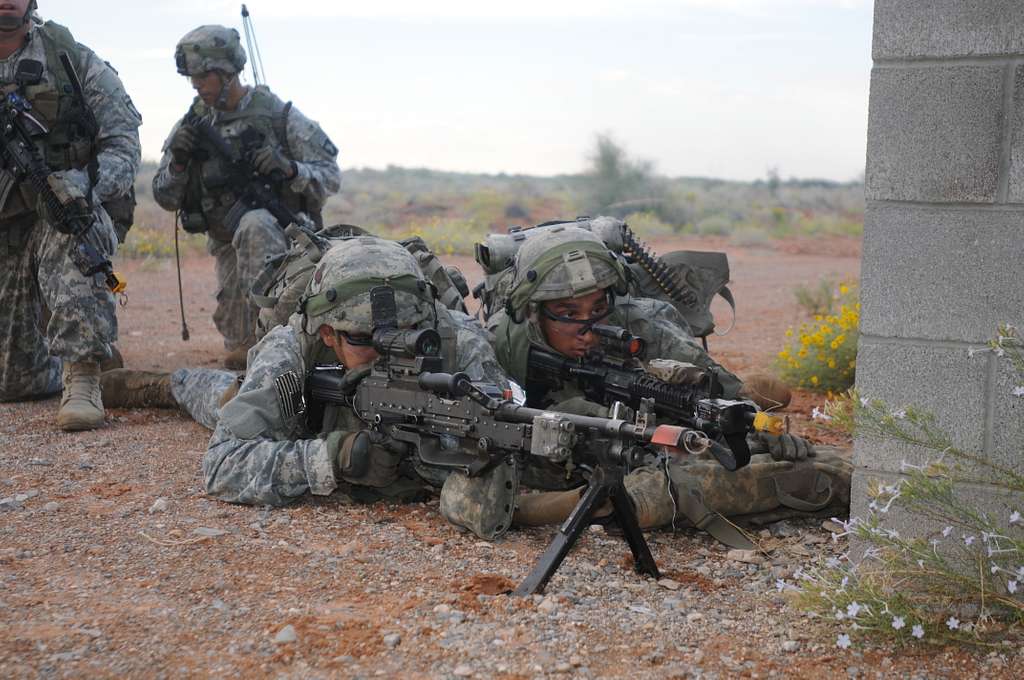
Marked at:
<point>327,300</point>
<point>576,256</point>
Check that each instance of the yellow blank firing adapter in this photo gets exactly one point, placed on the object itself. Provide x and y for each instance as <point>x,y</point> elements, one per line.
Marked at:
<point>768,423</point>
<point>116,283</point>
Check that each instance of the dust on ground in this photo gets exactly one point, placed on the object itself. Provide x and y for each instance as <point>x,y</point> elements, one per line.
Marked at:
<point>113,563</point>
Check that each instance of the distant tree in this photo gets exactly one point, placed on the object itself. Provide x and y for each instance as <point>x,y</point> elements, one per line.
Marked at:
<point>617,184</point>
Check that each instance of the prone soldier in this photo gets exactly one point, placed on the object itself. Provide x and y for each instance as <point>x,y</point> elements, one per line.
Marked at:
<point>87,146</point>
<point>291,153</point>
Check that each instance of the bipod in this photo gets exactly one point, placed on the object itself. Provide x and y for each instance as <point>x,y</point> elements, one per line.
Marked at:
<point>601,487</point>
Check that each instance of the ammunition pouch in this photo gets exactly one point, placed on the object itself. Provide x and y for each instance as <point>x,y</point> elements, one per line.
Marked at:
<point>483,504</point>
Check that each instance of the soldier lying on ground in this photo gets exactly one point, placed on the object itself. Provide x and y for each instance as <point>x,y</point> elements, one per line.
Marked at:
<point>291,151</point>
<point>565,282</point>
<point>94,167</point>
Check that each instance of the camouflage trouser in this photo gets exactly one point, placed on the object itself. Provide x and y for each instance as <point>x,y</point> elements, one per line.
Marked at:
<point>239,263</point>
<point>198,392</point>
<point>36,270</point>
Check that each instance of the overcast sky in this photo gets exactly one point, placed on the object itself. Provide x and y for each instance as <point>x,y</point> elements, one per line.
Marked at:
<point>721,88</point>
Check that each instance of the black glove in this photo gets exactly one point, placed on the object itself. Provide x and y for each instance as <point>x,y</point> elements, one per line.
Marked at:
<point>183,143</point>
<point>782,446</point>
<point>270,160</point>
<point>366,457</point>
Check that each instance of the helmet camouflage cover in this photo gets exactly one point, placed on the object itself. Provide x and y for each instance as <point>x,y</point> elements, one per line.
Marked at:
<point>567,262</point>
<point>209,48</point>
<point>338,294</point>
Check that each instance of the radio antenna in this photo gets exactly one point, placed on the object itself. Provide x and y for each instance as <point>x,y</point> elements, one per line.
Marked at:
<point>259,74</point>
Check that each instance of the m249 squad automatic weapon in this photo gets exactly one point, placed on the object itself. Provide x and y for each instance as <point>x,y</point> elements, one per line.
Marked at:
<point>453,423</point>
<point>23,163</point>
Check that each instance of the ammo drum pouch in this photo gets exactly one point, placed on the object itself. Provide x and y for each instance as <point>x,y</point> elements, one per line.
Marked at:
<point>71,141</point>
<point>484,504</point>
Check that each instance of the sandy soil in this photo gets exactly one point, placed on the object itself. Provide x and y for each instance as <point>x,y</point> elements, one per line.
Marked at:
<point>114,564</point>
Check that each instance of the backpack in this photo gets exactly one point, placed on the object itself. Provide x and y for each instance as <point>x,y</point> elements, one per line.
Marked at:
<point>283,281</point>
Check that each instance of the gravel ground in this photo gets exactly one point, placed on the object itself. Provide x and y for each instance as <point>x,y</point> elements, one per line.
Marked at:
<point>114,564</point>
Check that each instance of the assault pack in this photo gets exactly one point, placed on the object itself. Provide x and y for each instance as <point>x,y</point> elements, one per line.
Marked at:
<point>281,284</point>
<point>687,279</point>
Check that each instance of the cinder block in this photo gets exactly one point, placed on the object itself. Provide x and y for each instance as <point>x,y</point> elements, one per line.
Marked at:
<point>934,134</point>
<point>1008,420</point>
<point>939,380</point>
<point>1016,188</point>
<point>994,501</point>
<point>947,28</point>
<point>941,274</point>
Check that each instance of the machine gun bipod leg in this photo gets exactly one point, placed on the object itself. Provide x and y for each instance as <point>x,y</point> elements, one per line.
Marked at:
<point>600,488</point>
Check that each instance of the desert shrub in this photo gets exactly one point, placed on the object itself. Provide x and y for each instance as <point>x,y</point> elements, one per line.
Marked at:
<point>822,354</point>
<point>749,237</point>
<point>444,236</point>
<point>819,299</point>
<point>649,225</point>
<point>964,581</point>
<point>716,225</point>
<point>155,242</point>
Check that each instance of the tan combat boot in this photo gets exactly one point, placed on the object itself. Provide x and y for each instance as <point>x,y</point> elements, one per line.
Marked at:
<point>81,407</point>
<point>127,388</point>
<point>766,391</point>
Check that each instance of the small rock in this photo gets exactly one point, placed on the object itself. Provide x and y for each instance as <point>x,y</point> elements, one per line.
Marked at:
<point>672,603</point>
<point>833,527</point>
<point>392,640</point>
<point>286,635</point>
<point>42,462</point>
<point>790,646</point>
<point>442,610</point>
<point>548,606</point>
<point>52,506</point>
<point>208,531</point>
<point>670,584</point>
<point>853,671</point>
<point>745,556</point>
<point>463,671</point>
<point>783,529</point>
<point>159,505</point>
<point>563,667</point>
<point>694,617</point>
<point>456,616</point>
<point>9,504</point>
<point>219,605</point>
<point>576,660</point>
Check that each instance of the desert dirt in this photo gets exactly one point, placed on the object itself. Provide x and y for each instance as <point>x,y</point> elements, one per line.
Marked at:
<point>113,563</point>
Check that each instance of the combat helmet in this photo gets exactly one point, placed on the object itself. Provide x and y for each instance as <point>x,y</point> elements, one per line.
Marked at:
<point>210,48</point>
<point>338,294</point>
<point>568,262</point>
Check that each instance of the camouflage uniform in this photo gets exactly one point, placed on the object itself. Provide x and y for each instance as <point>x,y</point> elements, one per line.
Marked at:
<point>36,269</point>
<point>241,253</point>
<point>696,489</point>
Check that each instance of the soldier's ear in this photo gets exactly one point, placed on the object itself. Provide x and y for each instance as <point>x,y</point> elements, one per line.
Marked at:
<point>328,335</point>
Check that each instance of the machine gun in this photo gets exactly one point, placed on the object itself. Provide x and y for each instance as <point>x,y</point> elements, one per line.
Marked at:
<point>253,189</point>
<point>23,162</point>
<point>453,423</point>
<point>615,376</point>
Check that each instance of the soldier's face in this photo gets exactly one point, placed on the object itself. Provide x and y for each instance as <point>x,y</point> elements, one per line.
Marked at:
<point>12,14</point>
<point>349,355</point>
<point>208,86</point>
<point>564,336</point>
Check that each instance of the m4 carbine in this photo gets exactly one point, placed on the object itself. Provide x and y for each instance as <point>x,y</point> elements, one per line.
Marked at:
<point>21,158</point>
<point>253,189</point>
<point>453,423</point>
<point>606,380</point>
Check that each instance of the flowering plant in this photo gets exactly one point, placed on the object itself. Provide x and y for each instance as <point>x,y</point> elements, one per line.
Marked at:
<point>822,355</point>
<point>962,581</point>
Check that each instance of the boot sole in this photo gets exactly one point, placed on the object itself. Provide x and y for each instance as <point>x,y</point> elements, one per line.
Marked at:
<point>76,424</point>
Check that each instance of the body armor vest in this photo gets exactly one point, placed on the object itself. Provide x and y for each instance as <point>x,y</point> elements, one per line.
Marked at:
<point>70,144</point>
<point>209,196</point>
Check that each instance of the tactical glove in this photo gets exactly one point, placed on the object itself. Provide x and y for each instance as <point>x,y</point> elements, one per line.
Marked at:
<point>782,446</point>
<point>675,372</point>
<point>269,160</point>
<point>70,187</point>
<point>366,457</point>
<point>183,143</point>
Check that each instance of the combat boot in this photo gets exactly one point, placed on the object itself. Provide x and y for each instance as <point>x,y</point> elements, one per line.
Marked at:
<point>236,359</point>
<point>115,360</point>
<point>81,407</point>
<point>127,388</point>
<point>767,391</point>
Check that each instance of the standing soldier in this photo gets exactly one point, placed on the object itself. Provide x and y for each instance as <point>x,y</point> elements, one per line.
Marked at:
<point>275,139</point>
<point>91,148</point>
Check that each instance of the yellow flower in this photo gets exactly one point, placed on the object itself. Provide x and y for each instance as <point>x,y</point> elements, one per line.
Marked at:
<point>802,353</point>
<point>784,354</point>
<point>789,332</point>
<point>814,380</point>
<point>831,363</point>
<point>843,289</point>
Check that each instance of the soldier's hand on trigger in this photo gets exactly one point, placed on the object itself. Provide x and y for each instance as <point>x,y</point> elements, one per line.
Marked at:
<point>675,372</point>
<point>366,457</point>
<point>269,160</point>
<point>183,144</point>
<point>70,187</point>
<point>784,446</point>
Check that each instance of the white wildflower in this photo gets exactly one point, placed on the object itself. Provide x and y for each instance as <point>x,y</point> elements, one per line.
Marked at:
<point>843,641</point>
<point>917,631</point>
<point>899,415</point>
<point>952,623</point>
<point>832,563</point>
<point>780,585</point>
<point>818,414</point>
<point>947,531</point>
<point>1012,587</point>
<point>863,401</point>
<point>1018,391</point>
<point>1015,517</point>
<point>840,615</point>
<point>898,622</point>
<point>968,540</point>
<point>920,564</point>
<point>853,609</point>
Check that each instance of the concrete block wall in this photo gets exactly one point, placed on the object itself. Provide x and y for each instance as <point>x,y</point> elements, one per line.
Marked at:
<point>943,260</point>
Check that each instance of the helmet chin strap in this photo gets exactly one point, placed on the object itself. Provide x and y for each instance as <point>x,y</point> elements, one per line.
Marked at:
<point>225,91</point>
